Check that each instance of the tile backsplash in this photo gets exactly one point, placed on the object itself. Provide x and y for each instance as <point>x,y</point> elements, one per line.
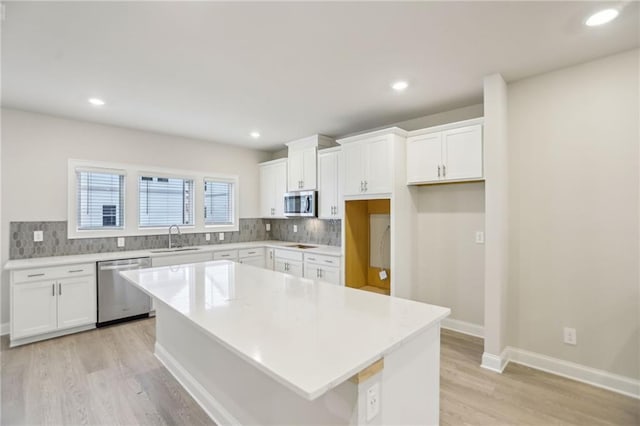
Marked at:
<point>56,243</point>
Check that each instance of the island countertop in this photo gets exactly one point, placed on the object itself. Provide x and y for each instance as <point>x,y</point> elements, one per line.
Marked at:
<point>310,336</point>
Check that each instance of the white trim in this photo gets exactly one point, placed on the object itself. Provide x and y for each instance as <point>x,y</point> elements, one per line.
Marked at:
<point>495,363</point>
<point>592,376</point>
<point>448,126</point>
<point>4,328</point>
<point>382,132</point>
<point>38,337</point>
<point>209,404</point>
<point>463,327</point>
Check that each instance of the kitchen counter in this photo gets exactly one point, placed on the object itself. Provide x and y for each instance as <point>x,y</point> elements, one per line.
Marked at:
<point>42,262</point>
<point>231,333</point>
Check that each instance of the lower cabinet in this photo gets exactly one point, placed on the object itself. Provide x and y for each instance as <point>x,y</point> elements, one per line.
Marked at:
<point>252,256</point>
<point>50,300</point>
<point>269,258</point>
<point>322,268</point>
<point>289,262</point>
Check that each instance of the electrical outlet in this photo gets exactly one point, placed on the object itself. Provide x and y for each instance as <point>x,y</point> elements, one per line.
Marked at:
<point>570,336</point>
<point>221,236</point>
<point>120,242</point>
<point>268,227</point>
<point>38,236</point>
<point>373,401</point>
<point>479,237</point>
<point>295,228</point>
<point>207,236</point>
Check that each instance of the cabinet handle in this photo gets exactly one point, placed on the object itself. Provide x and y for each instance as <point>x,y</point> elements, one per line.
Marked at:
<point>224,255</point>
<point>366,183</point>
<point>311,258</point>
<point>444,171</point>
<point>320,272</point>
<point>317,273</point>
<point>438,170</point>
<point>60,289</point>
<point>53,289</point>
<point>270,255</point>
<point>361,186</point>
<point>76,270</point>
<point>329,261</point>
<point>252,252</point>
<point>35,275</point>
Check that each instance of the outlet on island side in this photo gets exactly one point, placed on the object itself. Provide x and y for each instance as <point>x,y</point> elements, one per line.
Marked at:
<point>373,401</point>
<point>570,336</point>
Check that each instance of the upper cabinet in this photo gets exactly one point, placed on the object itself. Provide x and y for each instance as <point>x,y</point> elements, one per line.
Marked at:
<point>273,186</point>
<point>302,164</point>
<point>449,153</point>
<point>368,162</point>
<point>329,184</point>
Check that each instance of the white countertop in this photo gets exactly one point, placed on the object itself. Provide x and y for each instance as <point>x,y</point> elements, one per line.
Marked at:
<point>43,262</point>
<point>310,336</point>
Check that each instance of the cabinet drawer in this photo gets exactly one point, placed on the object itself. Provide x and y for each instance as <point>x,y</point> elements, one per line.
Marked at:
<point>322,259</point>
<point>251,252</point>
<point>225,255</point>
<point>289,254</point>
<point>39,274</point>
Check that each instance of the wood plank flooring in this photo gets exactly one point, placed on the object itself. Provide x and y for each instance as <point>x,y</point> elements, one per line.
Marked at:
<point>109,376</point>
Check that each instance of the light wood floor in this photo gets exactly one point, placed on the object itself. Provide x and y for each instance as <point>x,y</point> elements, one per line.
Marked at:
<point>110,376</point>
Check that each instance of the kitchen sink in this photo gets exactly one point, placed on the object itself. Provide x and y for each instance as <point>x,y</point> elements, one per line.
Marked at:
<point>167,250</point>
<point>301,246</point>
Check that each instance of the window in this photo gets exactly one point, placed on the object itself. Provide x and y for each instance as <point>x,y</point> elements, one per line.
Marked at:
<point>218,202</point>
<point>99,200</point>
<point>165,201</point>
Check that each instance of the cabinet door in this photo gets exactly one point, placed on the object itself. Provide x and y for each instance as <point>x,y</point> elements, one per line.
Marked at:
<point>267,185</point>
<point>353,159</point>
<point>270,261</point>
<point>280,265</point>
<point>280,188</point>
<point>295,268</point>
<point>379,166</point>
<point>312,271</point>
<point>33,309</point>
<point>295,170</point>
<point>328,185</point>
<point>309,169</point>
<point>462,153</point>
<point>330,275</point>
<point>76,302</point>
<point>253,261</point>
<point>424,158</point>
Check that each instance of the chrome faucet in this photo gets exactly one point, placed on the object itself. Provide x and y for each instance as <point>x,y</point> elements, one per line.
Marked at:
<point>170,228</point>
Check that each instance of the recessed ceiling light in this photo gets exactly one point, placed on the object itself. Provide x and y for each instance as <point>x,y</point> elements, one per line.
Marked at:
<point>96,101</point>
<point>255,135</point>
<point>601,17</point>
<point>399,86</point>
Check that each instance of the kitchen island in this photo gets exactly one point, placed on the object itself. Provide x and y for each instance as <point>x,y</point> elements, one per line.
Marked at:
<point>254,346</point>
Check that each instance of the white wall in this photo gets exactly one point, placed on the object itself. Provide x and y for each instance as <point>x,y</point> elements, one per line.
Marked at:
<point>34,165</point>
<point>450,265</point>
<point>574,185</point>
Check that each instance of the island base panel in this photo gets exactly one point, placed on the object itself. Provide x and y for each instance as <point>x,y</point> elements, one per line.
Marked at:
<point>233,391</point>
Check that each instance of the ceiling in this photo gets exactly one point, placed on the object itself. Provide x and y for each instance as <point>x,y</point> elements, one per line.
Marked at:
<point>217,71</point>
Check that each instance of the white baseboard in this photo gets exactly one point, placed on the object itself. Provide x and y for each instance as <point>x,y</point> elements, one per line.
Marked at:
<point>209,404</point>
<point>592,376</point>
<point>4,329</point>
<point>495,363</point>
<point>463,327</point>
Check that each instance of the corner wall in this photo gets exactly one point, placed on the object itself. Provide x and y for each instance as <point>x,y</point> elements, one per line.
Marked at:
<point>574,213</point>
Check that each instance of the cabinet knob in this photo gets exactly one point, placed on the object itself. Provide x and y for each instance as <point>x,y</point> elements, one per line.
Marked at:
<point>365,186</point>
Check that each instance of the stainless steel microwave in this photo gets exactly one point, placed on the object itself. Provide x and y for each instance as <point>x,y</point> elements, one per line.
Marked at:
<point>303,203</point>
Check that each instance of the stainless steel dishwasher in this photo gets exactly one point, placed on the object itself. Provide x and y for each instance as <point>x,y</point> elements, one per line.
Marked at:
<point>119,300</point>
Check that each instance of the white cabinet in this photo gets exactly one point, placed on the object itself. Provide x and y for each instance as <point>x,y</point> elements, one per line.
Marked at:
<point>289,262</point>
<point>450,154</point>
<point>302,162</point>
<point>322,267</point>
<point>252,256</point>
<point>302,169</point>
<point>273,186</point>
<point>329,184</point>
<point>270,258</point>
<point>47,301</point>
<point>368,165</point>
<point>231,255</point>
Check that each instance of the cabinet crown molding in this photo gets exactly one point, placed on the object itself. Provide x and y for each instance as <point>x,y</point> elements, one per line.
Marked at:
<point>448,126</point>
<point>382,132</point>
<point>311,141</point>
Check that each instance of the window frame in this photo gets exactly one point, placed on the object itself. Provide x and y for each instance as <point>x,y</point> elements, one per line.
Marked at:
<point>131,199</point>
<point>233,180</point>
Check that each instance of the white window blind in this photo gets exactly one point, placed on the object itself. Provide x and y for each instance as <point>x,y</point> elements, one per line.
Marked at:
<point>165,201</point>
<point>100,200</point>
<point>218,202</point>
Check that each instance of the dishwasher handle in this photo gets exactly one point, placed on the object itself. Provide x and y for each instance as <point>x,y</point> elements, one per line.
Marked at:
<point>121,267</point>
